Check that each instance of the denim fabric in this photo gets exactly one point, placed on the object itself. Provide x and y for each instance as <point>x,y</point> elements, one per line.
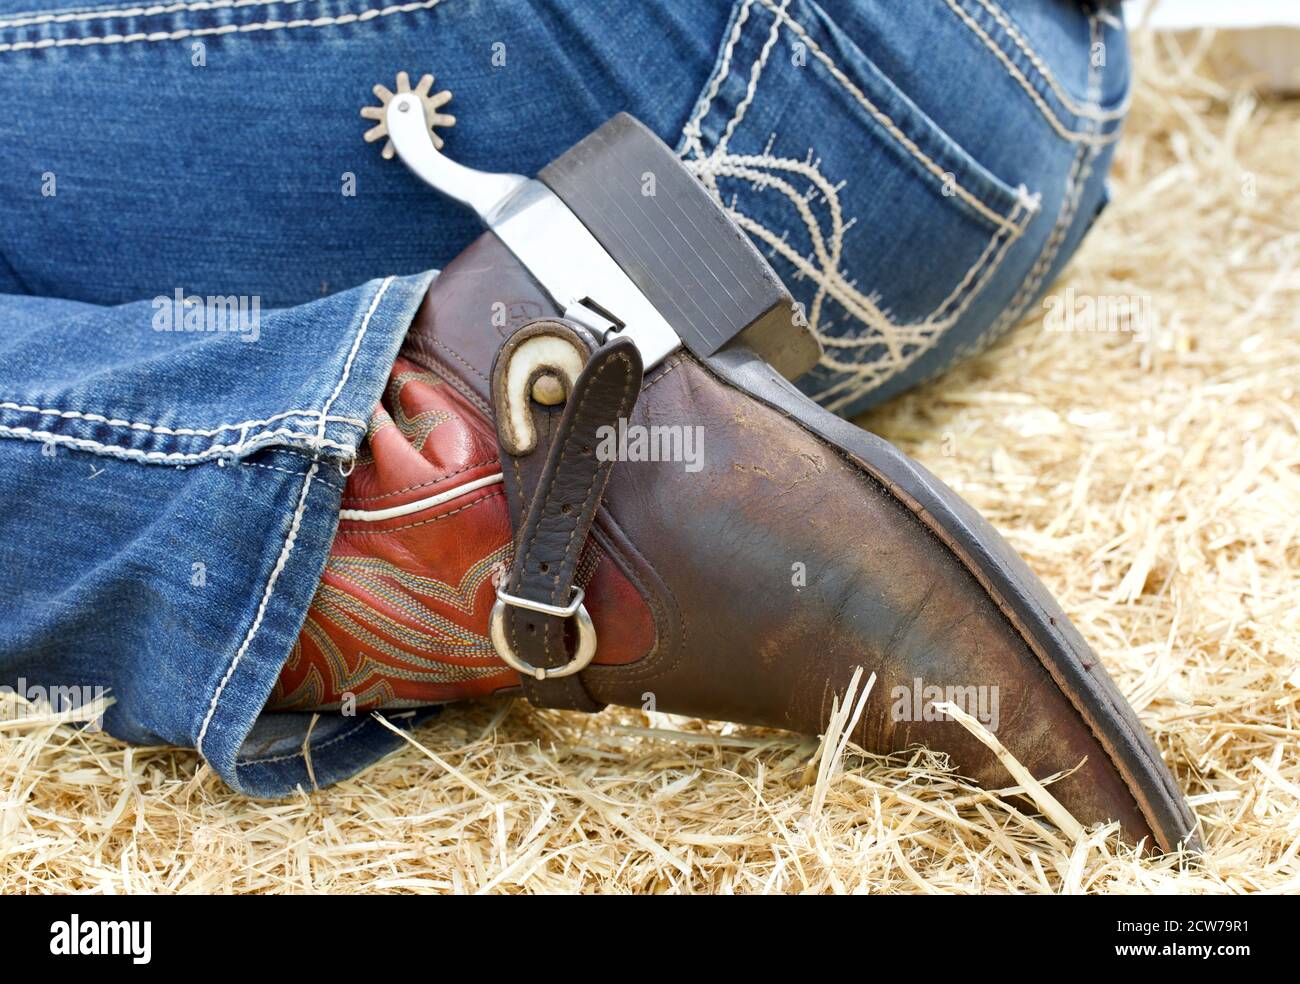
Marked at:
<point>169,499</point>
<point>918,173</point>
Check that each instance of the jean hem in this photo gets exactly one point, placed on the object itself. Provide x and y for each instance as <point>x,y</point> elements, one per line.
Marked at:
<point>264,757</point>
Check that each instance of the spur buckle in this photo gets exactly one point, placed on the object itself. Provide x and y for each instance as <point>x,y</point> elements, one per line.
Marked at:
<point>575,609</point>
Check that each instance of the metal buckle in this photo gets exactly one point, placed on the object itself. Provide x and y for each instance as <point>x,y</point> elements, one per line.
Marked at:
<point>574,609</point>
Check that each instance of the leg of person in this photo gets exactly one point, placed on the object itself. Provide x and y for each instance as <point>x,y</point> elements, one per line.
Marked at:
<point>171,476</point>
<point>217,147</point>
<point>878,564</point>
<point>917,173</point>
<point>221,159</point>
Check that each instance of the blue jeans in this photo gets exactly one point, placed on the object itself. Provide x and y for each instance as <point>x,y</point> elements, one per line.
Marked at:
<point>918,174</point>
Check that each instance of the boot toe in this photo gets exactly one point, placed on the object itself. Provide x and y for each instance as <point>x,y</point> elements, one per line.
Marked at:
<point>828,550</point>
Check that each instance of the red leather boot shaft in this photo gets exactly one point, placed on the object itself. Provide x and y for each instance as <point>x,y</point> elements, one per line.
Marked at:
<point>401,614</point>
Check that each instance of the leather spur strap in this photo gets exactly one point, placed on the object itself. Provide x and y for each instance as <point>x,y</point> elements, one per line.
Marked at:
<point>552,396</point>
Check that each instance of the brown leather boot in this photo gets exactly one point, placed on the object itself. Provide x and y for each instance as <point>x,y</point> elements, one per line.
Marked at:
<point>745,577</point>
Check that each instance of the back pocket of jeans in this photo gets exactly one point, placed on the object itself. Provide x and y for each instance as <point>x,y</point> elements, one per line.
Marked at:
<point>883,227</point>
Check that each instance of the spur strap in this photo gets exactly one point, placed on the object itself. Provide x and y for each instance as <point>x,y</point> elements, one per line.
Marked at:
<point>552,396</point>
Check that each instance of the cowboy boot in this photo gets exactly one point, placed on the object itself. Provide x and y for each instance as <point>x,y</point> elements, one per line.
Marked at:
<point>514,531</point>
